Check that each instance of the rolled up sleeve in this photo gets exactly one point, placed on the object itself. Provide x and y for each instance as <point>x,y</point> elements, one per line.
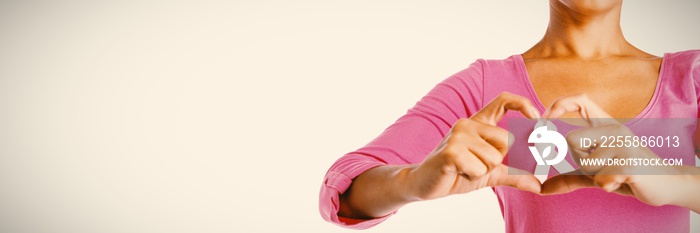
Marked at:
<point>407,141</point>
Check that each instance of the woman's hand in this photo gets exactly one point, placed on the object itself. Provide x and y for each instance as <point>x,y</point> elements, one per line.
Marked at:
<point>669,185</point>
<point>468,158</point>
<point>470,155</point>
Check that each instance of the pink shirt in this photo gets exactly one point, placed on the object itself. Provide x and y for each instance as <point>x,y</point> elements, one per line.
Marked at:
<point>413,136</point>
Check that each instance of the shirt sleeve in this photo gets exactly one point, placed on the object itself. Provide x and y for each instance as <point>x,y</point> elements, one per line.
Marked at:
<point>695,75</point>
<point>407,141</point>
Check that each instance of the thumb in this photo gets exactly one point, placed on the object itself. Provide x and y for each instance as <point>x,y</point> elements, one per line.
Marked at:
<point>511,139</point>
<point>517,179</point>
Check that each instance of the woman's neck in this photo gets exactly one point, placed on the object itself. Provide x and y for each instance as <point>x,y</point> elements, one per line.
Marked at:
<point>585,34</point>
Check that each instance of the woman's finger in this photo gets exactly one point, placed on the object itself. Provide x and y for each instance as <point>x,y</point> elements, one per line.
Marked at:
<point>610,182</point>
<point>580,103</point>
<point>498,137</point>
<point>497,108</point>
<point>487,153</point>
<point>464,161</point>
<point>524,181</point>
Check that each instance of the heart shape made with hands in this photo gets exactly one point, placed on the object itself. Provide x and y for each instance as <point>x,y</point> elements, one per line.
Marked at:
<point>569,179</point>
<point>656,190</point>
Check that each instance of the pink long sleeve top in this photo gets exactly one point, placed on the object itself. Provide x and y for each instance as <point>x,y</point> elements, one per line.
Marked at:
<point>414,135</point>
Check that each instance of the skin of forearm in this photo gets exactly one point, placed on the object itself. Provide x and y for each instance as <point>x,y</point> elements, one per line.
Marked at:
<point>694,201</point>
<point>689,197</point>
<point>377,192</point>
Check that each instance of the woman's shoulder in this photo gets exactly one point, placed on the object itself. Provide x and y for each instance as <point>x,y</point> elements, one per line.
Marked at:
<point>682,70</point>
<point>687,57</point>
<point>489,72</point>
<point>690,52</point>
<point>503,66</point>
<point>684,64</point>
<point>510,60</point>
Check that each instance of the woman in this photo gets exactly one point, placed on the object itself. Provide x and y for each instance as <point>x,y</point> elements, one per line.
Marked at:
<point>453,141</point>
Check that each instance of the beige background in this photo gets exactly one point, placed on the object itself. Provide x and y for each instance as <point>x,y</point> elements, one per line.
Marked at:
<point>223,116</point>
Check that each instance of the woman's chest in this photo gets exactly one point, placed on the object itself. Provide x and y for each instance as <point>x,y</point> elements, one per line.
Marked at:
<point>623,89</point>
